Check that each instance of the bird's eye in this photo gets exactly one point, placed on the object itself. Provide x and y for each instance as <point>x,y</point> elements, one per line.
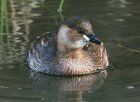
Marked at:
<point>81,31</point>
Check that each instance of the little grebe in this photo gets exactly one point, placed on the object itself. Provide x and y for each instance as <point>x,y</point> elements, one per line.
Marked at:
<point>73,50</point>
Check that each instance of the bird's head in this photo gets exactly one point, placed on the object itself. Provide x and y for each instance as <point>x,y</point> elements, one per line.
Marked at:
<point>76,32</point>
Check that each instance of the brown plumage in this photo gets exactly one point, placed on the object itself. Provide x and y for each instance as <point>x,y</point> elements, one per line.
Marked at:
<point>73,50</point>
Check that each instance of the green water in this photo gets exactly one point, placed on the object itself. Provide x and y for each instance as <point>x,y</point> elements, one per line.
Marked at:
<point>116,22</point>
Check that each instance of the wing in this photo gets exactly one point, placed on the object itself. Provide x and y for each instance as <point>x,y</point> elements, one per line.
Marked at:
<point>42,52</point>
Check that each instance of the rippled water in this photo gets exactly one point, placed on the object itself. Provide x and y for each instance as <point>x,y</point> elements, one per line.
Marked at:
<point>116,22</point>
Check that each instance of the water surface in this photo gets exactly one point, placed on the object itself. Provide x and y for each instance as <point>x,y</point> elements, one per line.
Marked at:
<point>116,22</point>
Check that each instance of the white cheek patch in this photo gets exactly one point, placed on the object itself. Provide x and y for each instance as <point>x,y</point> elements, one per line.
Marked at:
<point>63,34</point>
<point>86,38</point>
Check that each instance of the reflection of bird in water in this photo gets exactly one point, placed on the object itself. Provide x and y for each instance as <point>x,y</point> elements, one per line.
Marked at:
<point>66,88</point>
<point>74,50</point>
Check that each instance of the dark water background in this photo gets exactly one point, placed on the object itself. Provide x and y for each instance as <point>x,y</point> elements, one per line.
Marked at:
<point>116,22</point>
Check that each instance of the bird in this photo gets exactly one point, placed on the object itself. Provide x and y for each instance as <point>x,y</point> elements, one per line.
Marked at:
<point>74,49</point>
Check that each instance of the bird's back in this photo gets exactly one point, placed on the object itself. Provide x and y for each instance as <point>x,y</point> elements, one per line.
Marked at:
<point>42,52</point>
